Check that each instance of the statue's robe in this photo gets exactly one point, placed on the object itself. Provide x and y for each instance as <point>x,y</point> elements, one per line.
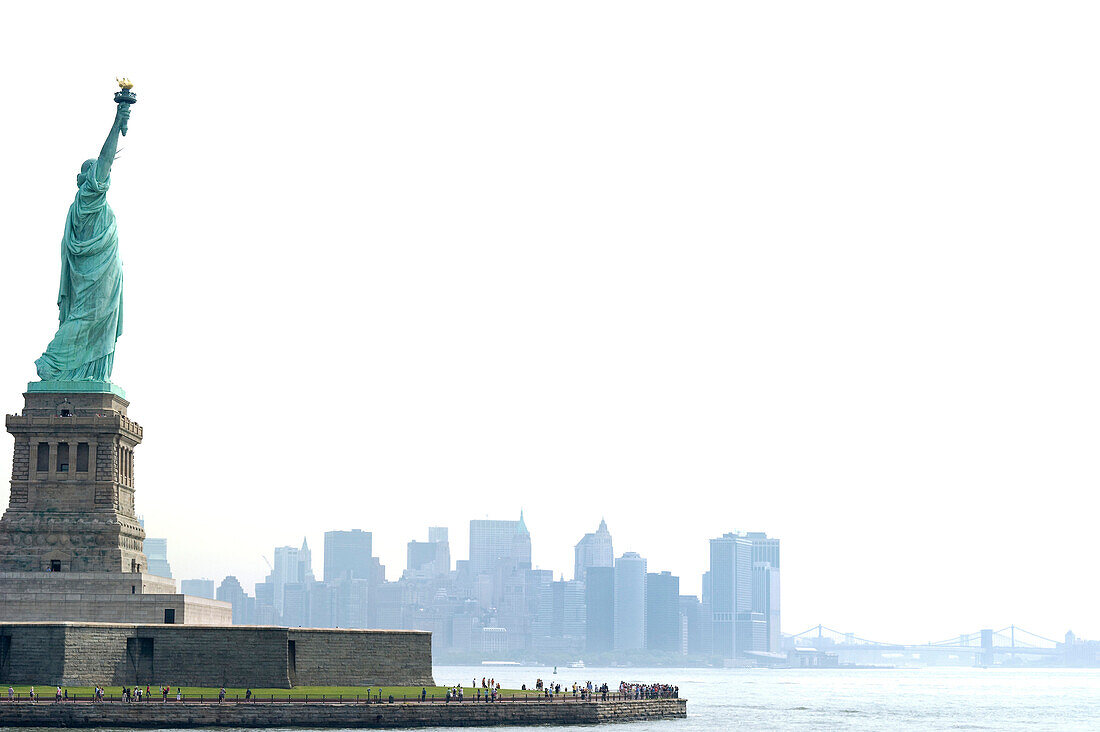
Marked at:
<point>90,296</point>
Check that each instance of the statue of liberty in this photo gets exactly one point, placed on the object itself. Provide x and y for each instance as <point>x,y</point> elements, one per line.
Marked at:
<point>90,296</point>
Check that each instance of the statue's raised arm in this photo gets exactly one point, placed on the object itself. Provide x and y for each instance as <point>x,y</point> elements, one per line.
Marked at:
<point>89,300</point>
<point>110,146</point>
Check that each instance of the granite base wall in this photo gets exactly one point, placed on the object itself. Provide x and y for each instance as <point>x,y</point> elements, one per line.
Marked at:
<point>334,658</point>
<point>85,654</point>
<point>153,715</point>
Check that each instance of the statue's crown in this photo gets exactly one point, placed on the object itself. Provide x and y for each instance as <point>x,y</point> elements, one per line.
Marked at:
<point>124,83</point>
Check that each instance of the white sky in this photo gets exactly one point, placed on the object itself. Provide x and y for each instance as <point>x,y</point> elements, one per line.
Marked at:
<point>825,270</point>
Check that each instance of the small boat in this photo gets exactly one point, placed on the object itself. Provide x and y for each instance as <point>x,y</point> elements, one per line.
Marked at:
<point>577,664</point>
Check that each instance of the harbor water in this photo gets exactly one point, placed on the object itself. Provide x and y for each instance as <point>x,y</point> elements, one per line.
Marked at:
<point>934,698</point>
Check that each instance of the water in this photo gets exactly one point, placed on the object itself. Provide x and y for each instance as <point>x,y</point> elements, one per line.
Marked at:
<point>829,699</point>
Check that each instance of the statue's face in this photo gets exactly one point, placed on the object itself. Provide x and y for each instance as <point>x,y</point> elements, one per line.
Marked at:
<point>83,174</point>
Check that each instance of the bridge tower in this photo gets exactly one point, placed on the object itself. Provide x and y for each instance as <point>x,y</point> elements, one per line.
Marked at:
<point>987,646</point>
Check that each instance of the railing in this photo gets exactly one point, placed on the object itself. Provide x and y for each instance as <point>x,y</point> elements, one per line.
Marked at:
<point>530,697</point>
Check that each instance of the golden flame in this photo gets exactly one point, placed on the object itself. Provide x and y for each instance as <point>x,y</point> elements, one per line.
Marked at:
<point>124,83</point>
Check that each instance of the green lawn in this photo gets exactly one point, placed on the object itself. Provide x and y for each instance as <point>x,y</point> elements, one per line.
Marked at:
<point>46,692</point>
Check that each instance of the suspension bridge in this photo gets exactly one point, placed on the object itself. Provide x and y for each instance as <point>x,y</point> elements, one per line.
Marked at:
<point>983,645</point>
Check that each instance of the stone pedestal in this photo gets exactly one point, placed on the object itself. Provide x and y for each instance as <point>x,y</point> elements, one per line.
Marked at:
<point>72,486</point>
<point>70,541</point>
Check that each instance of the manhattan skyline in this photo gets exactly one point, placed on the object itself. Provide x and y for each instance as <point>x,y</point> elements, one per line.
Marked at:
<point>354,547</point>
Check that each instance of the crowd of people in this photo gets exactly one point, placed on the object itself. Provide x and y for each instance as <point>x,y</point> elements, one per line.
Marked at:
<point>588,690</point>
<point>649,691</point>
<point>489,690</point>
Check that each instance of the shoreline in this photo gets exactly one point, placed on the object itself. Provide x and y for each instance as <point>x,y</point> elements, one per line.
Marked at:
<point>364,715</point>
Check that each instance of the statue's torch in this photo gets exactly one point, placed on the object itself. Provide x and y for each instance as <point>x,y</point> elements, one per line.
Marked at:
<point>125,96</point>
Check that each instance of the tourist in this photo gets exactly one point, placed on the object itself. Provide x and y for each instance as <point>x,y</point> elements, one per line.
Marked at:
<point>179,693</point>
<point>11,694</point>
<point>423,693</point>
<point>248,694</point>
<point>57,696</point>
<point>32,694</point>
<point>221,695</point>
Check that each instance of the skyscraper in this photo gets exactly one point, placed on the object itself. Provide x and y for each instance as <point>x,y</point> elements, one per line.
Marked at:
<point>432,556</point>
<point>630,602</point>
<point>744,593</point>
<point>156,552</point>
<point>295,604</point>
<point>765,600</point>
<point>662,613</point>
<point>558,624</point>
<point>763,548</point>
<point>593,550</point>
<point>265,604</point>
<point>730,589</point>
<point>348,554</point>
<point>599,600</point>
<point>230,591</point>
<point>765,586</point>
<point>292,566</point>
<point>691,610</point>
<point>198,588</point>
<point>492,541</point>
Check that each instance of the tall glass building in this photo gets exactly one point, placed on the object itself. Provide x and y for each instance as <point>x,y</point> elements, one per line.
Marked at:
<point>198,588</point>
<point>730,589</point>
<point>156,553</point>
<point>348,554</point>
<point>630,602</point>
<point>662,612</point>
<point>599,602</point>
<point>432,556</point>
<point>292,566</point>
<point>744,593</point>
<point>491,541</point>
<point>593,550</point>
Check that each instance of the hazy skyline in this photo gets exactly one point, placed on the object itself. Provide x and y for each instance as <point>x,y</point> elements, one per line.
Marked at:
<point>821,270</point>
